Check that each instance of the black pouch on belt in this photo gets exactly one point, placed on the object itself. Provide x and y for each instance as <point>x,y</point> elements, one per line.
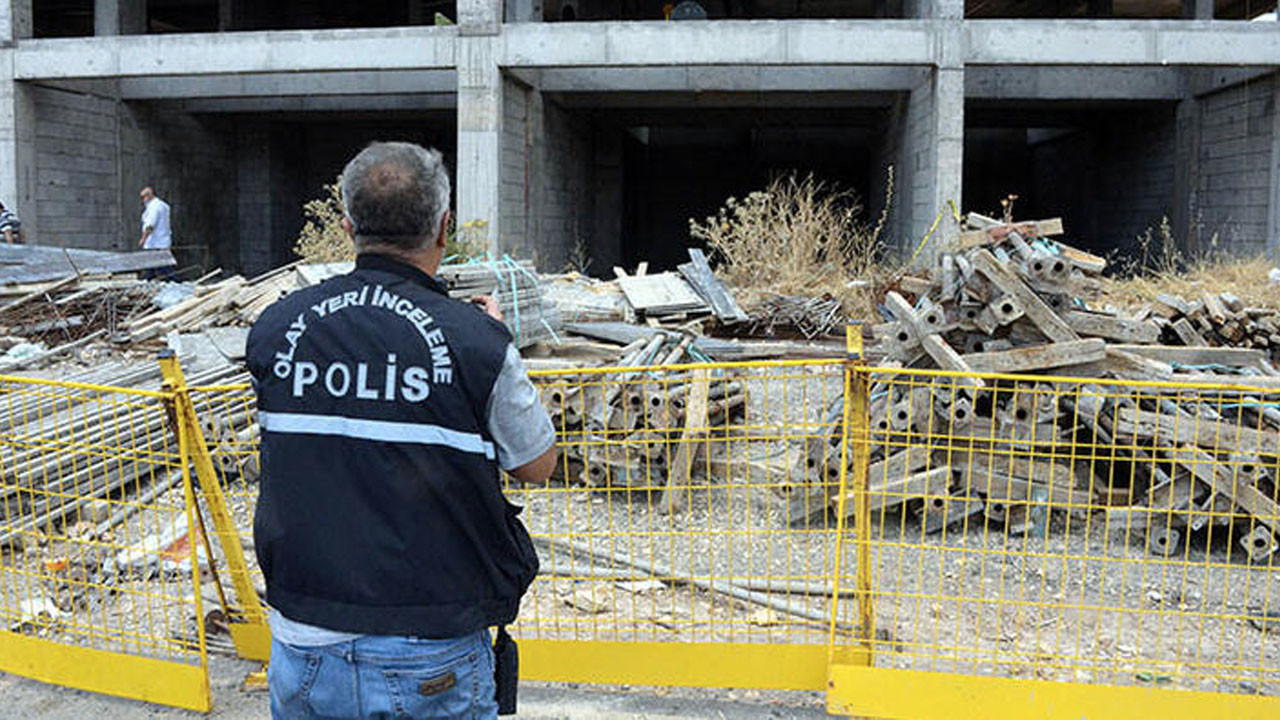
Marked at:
<point>506,671</point>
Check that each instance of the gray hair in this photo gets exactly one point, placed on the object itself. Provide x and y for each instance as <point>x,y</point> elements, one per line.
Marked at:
<point>395,193</point>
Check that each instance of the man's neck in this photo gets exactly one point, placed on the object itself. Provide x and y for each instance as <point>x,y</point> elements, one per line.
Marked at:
<point>424,259</point>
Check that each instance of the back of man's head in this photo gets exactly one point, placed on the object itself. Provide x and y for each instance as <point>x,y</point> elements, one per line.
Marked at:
<point>395,194</point>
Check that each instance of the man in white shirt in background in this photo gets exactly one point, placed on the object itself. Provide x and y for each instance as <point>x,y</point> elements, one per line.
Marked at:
<point>156,234</point>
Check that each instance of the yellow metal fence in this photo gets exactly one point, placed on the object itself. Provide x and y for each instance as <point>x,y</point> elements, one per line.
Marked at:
<point>916,543</point>
<point>100,554</point>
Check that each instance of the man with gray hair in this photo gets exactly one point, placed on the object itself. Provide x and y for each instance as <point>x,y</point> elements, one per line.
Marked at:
<point>387,410</point>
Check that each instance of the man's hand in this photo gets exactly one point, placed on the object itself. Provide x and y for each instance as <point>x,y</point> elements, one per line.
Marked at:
<point>489,305</point>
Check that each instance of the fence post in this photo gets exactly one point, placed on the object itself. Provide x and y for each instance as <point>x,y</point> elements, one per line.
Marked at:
<point>854,449</point>
<point>248,622</point>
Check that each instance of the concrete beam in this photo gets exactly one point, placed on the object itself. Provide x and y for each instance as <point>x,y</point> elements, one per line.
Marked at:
<point>1116,42</point>
<point>364,82</point>
<point>442,102</point>
<point>738,78</point>
<point>748,42</point>
<point>119,17</point>
<point>480,110</point>
<point>237,53</point>
<point>1071,83</point>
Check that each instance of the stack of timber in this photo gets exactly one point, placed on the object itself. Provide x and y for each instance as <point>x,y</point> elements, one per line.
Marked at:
<point>1216,320</point>
<point>639,429</point>
<point>1014,301</point>
<point>232,301</point>
<point>517,288</point>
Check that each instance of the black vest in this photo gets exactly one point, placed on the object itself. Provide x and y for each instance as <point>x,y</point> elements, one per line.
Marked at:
<point>380,508</point>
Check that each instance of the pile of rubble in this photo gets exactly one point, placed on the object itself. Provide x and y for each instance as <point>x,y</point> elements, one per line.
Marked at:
<point>1013,300</point>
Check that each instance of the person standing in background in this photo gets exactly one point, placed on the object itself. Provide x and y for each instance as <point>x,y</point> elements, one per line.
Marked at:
<point>10,225</point>
<point>156,233</point>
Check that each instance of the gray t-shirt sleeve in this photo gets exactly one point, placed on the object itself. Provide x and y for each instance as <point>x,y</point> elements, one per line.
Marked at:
<point>517,421</point>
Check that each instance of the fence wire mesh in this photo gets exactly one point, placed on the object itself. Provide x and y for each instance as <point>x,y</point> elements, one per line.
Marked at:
<point>96,536</point>
<point>227,416</point>
<point>666,518</point>
<point>1071,530</point>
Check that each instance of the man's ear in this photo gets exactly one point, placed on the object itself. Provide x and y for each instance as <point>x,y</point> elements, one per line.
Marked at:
<point>346,225</point>
<point>443,238</point>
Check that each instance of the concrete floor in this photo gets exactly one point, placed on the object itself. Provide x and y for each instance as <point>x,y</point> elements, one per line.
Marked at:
<point>29,700</point>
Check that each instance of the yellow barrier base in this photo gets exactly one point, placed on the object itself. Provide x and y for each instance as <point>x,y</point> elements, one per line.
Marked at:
<point>253,642</point>
<point>774,667</point>
<point>918,695</point>
<point>146,679</point>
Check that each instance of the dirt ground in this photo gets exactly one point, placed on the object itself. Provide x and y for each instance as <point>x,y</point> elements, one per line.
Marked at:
<point>29,700</point>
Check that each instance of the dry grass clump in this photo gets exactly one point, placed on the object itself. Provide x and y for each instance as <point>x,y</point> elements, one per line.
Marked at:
<point>799,236</point>
<point>1161,268</point>
<point>325,240</point>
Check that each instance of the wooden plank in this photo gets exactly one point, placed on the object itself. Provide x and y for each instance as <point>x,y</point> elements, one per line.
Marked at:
<point>698,272</point>
<point>1088,262</point>
<point>1007,486</point>
<point>1185,355</point>
<point>695,428</point>
<point>893,493</point>
<point>1038,357</point>
<point>1218,435</point>
<point>1188,334</point>
<point>661,293</point>
<point>1042,315</point>
<point>1111,327</point>
<point>996,232</point>
<point>1209,471</point>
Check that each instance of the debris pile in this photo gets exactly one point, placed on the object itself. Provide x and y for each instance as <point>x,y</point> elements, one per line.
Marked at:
<point>1014,301</point>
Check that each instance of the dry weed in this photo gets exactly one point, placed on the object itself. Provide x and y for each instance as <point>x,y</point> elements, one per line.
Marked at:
<point>798,236</point>
<point>325,240</point>
<point>1160,267</point>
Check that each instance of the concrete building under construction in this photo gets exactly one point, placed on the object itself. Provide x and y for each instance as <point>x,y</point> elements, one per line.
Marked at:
<point>601,126</point>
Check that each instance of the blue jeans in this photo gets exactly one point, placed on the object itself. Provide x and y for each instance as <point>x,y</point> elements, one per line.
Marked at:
<point>384,677</point>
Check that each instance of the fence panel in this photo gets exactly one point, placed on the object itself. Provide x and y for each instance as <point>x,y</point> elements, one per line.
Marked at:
<point>1054,546</point>
<point>669,551</point>
<point>101,554</point>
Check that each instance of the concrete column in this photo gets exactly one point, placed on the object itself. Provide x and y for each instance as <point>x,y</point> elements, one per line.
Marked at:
<point>1197,9</point>
<point>479,17</point>
<point>523,11</point>
<point>940,9</point>
<point>253,204</point>
<point>17,120</point>
<point>15,21</point>
<point>479,134</point>
<point>1186,172</point>
<point>1273,214</point>
<point>119,17</point>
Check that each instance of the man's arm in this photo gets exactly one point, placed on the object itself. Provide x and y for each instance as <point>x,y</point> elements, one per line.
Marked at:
<point>539,470</point>
<point>145,234</point>
<point>519,425</point>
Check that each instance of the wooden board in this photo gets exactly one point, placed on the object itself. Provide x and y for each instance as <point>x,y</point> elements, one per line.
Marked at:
<point>1111,327</point>
<point>1218,435</point>
<point>695,428</point>
<point>1183,355</point>
<point>1211,472</point>
<point>1042,315</point>
<point>1038,357</point>
<point>661,293</point>
<point>698,272</point>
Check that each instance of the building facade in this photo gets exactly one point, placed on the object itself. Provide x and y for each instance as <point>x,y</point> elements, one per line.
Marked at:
<point>597,128</point>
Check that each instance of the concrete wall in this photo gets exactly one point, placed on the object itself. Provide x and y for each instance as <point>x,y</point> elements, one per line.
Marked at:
<point>516,201</point>
<point>77,166</point>
<point>1134,177</point>
<point>565,208</point>
<point>1235,158</point>
<point>191,162</point>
